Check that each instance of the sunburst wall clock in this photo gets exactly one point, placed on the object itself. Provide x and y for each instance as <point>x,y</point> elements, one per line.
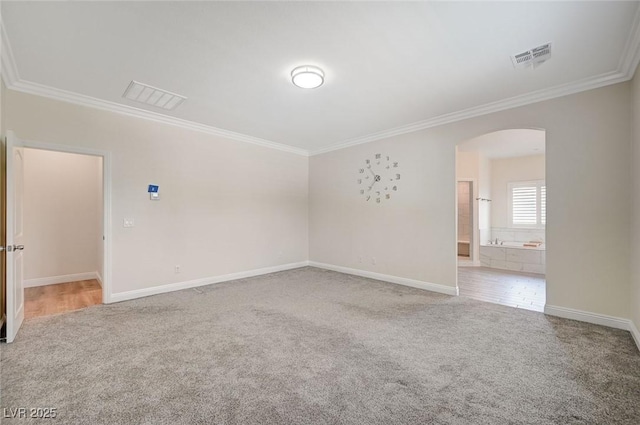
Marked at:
<point>378,178</point>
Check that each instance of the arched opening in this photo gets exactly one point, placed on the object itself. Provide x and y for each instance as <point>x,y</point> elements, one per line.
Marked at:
<point>501,218</point>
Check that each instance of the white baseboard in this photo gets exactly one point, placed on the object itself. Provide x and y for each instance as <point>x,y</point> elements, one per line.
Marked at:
<point>52,280</point>
<point>585,316</point>
<point>597,319</point>
<point>634,333</point>
<point>99,278</point>
<point>145,292</point>
<point>434,287</point>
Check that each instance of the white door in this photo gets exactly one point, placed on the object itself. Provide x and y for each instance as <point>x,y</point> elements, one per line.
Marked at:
<point>15,235</point>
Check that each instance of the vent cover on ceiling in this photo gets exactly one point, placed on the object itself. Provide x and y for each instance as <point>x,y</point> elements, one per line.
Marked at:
<point>533,57</point>
<point>149,95</point>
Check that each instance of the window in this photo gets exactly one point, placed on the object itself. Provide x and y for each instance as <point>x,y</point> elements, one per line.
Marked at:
<point>527,204</point>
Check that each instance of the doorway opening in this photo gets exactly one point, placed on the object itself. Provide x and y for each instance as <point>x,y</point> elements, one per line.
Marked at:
<point>59,246</point>
<point>63,231</point>
<point>505,173</point>
<point>465,220</point>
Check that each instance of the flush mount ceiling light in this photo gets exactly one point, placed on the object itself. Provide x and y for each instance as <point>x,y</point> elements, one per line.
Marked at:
<point>307,77</point>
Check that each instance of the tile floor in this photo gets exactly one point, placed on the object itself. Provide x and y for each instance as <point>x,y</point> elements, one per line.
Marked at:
<point>515,289</point>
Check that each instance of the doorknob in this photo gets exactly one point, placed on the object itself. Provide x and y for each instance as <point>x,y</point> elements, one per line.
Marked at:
<point>11,248</point>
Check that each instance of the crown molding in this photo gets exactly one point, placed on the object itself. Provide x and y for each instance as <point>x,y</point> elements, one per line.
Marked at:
<point>92,102</point>
<point>488,108</point>
<point>631,53</point>
<point>625,72</point>
<point>13,81</point>
<point>8,69</point>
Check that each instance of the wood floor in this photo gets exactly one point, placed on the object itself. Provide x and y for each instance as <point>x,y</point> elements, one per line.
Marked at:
<point>60,298</point>
<point>521,290</point>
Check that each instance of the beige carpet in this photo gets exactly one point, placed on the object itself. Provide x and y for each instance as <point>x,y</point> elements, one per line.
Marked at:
<point>309,346</point>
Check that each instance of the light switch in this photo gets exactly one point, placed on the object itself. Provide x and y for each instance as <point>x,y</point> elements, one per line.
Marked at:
<point>128,222</point>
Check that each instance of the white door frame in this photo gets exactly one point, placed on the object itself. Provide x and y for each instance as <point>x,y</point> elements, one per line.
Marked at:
<point>106,203</point>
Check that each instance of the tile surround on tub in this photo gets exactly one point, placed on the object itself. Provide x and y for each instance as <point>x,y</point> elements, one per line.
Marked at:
<point>515,259</point>
<point>503,235</point>
<point>493,253</point>
<point>524,256</point>
<point>517,235</point>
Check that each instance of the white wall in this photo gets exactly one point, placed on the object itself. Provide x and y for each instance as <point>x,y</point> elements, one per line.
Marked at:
<point>225,206</point>
<point>588,176</point>
<point>506,170</point>
<point>484,191</point>
<point>411,235</point>
<point>635,229</point>
<point>228,206</point>
<point>62,214</point>
<point>467,165</point>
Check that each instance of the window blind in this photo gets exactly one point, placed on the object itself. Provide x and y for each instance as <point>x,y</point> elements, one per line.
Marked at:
<point>543,204</point>
<point>524,205</point>
<point>528,204</point>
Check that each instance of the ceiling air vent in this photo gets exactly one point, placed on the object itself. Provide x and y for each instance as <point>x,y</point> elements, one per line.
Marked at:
<point>153,96</point>
<point>533,57</point>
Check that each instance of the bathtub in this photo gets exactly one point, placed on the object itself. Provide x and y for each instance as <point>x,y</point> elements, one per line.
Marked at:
<point>520,245</point>
<point>514,256</point>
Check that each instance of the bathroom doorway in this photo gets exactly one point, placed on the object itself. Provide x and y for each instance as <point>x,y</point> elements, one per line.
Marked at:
<point>501,210</point>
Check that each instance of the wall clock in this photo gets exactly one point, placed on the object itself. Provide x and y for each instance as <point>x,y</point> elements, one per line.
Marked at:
<point>378,178</point>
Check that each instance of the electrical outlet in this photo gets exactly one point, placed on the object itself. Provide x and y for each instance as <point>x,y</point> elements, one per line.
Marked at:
<point>128,222</point>
<point>360,259</point>
<point>373,260</point>
<point>177,269</point>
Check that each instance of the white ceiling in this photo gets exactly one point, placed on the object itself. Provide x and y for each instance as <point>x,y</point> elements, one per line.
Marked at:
<point>390,66</point>
<point>507,143</point>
